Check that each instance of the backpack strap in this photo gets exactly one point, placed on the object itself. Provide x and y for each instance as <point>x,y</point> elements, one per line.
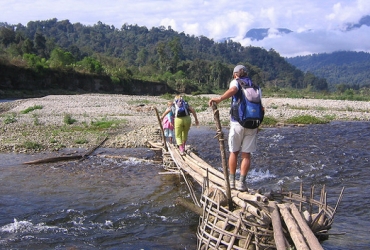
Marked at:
<point>244,85</point>
<point>238,94</point>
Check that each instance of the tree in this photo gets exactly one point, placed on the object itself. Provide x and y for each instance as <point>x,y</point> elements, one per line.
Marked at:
<point>176,51</point>
<point>7,36</point>
<point>40,45</point>
<point>90,65</point>
<point>60,59</point>
<point>27,46</point>
<point>142,57</point>
<point>219,75</point>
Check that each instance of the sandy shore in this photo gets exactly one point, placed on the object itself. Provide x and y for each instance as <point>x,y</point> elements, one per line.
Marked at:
<point>135,116</point>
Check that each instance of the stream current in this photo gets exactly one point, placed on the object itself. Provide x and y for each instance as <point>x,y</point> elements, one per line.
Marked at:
<point>115,203</point>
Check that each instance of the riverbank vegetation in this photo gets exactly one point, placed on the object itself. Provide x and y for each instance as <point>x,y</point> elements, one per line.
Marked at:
<point>132,54</point>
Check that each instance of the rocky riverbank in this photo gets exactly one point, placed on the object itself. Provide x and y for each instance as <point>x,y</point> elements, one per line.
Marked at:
<point>82,121</point>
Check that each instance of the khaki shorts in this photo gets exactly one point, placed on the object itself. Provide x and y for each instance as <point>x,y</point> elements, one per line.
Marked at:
<point>242,139</point>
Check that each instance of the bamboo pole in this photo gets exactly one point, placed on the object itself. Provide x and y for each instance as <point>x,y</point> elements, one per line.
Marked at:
<point>216,177</point>
<point>300,194</point>
<point>198,161</point>
<point>197,210</point>
<point>312,197</point>
<point>216,115</point>
<point>338,202</point>
<point>306,230</point>
<point>162,132</point>
<point>255,211</point>
<point>155,145</point>
<point>200,167</point>
<point>293,228</point>
<point>277,226</point>
<point>315,225</point>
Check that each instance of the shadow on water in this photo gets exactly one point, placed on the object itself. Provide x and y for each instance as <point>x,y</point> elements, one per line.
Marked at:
<point>123,203</point>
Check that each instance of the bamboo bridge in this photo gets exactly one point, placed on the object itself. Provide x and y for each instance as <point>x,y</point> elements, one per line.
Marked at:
<point>231,219</point>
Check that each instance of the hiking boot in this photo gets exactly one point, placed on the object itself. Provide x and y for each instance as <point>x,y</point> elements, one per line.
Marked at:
<point>241,186</point>
<point>232,183</point>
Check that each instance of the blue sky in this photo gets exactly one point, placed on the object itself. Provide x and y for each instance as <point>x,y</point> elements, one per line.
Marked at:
<point>317,25</point>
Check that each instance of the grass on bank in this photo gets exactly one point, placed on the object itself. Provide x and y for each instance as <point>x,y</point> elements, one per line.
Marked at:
<point>68,119</point>
<point>30,109</point>
<point>269,121</point>
<point>306,119</point>
<point>95,125</point>
<point>10,118</point>
<point>32,145</point>
<point>71,135</point>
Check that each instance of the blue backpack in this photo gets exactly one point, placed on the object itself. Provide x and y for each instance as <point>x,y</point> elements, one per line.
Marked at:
<point>246,105</point>
<point>180,108</point>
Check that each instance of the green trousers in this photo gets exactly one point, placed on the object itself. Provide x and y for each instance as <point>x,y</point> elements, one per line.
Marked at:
<point>182,126</point>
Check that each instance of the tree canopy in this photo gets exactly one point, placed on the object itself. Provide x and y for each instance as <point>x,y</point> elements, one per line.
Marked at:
<point>186,63</point>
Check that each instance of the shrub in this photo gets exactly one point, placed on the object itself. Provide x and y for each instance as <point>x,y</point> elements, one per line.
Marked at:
<point>68,119</point>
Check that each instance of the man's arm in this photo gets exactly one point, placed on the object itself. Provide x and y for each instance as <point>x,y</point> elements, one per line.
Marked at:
<point>228,93</point>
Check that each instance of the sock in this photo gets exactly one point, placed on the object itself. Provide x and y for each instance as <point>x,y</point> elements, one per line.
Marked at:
<point>231,177</point>
<point>242,178</point>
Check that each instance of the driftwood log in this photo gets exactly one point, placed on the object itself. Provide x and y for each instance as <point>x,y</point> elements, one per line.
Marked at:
<point>67,157</point>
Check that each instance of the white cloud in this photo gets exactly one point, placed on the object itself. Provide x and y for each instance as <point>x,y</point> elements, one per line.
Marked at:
<point>315,23</point>
<point>192,28</point>
<point>169,22</point>
<point>311,42</point>
<point>270,15</point>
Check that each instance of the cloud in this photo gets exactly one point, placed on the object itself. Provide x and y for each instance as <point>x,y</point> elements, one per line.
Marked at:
<point>315,23</point>
<point>314,41</point>
<point>191,28</point>
<point>169,22</point>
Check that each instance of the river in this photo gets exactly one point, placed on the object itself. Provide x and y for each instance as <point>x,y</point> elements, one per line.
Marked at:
<point>115,203</point>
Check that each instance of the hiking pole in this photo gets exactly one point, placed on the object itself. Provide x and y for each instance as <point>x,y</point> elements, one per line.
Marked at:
<point>162,132</point>
<point>220,135</point>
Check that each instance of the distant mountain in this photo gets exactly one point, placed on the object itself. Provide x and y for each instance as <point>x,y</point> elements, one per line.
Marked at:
<point>342,67</point>
<point>262,33</point>
<point>363,21</point>
<point>258,34</point>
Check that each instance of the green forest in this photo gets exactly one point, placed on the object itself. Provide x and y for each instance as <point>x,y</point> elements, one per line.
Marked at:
<point>342,69</point>
<point>132,54</point>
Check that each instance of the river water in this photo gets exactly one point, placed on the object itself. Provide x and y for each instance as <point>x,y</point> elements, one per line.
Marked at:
<point>115,203</point>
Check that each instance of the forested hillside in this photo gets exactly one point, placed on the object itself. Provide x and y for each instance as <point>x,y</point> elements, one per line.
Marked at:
<point>344,69</point>
<point>133,53</point>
